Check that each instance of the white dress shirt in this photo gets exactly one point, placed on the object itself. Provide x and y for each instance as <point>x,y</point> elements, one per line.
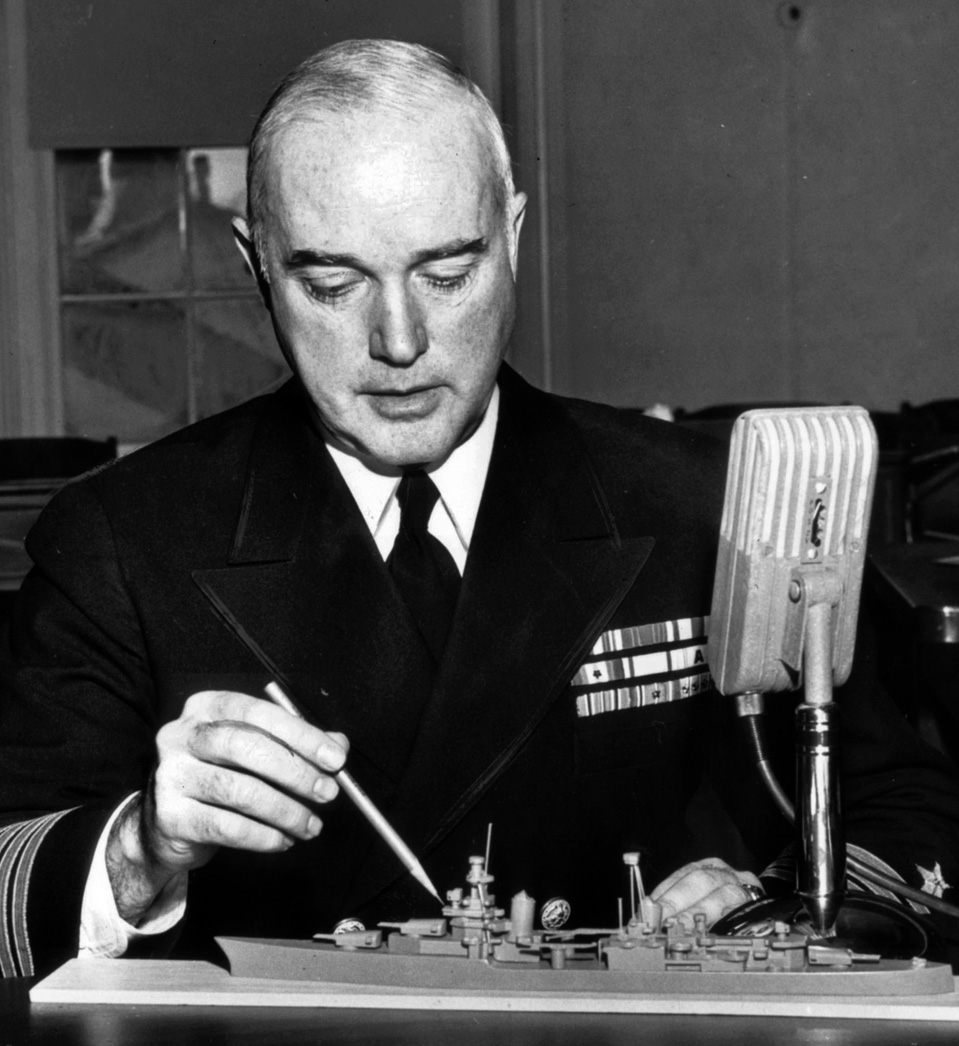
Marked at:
<point>460,480</point>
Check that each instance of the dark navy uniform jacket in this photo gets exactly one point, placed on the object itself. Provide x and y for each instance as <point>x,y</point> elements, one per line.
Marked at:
<point>572,709</point>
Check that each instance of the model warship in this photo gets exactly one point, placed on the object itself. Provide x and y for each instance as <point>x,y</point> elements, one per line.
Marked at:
<point>473,945</point>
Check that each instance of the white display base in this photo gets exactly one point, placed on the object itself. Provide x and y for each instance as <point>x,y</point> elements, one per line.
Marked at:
<point>144,982</point>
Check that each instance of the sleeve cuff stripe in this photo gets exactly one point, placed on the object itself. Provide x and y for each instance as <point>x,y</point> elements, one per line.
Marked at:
<point>784,867</point>
<point>879,865</point>
<point>18,848</point>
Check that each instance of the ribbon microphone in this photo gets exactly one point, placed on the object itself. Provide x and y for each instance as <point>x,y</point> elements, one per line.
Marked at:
<point>786,599</point>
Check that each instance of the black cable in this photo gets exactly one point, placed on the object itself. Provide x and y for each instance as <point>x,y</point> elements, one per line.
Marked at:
<point>758,745</point>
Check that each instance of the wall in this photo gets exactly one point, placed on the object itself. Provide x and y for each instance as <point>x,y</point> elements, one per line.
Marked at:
<point>29,376</point>
<point>138,73</point>
<point>750,200</point>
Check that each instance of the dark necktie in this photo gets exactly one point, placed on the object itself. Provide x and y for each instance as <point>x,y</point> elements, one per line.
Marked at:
<point>420,564</point>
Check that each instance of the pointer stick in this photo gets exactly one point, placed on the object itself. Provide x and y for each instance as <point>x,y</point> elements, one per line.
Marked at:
<point>364,804</point>
<point>279,697</point>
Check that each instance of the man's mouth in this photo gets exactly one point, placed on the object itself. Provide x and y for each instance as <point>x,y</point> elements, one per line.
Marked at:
<point>405,404</point>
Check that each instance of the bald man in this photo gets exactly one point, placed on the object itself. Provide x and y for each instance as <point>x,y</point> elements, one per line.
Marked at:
<point>154,798</point>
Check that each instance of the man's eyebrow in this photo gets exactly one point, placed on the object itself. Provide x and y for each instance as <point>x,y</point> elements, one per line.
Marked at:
<point>307,257</point>
<point>453,249</point>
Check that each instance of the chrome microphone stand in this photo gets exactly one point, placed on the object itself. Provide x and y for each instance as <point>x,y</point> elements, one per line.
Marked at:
<point>821,871</point>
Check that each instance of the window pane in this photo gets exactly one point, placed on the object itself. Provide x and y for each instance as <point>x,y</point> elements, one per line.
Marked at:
<point>119,221</point>
<point>124,370</point>
<point>217,192</point>
<point>238,354</point>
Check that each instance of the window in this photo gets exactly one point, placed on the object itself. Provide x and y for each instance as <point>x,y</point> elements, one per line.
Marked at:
<point>160,317</point>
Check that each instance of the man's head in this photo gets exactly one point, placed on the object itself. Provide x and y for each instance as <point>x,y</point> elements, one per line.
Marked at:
<point>384,225</point>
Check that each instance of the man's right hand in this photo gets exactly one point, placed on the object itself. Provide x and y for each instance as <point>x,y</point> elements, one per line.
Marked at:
<point>233,770</point>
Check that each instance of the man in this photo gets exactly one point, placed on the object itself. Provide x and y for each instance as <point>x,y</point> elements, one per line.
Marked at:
<point>154,798</point>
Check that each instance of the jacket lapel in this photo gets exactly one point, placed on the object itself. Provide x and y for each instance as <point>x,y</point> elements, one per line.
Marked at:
<point>546,569</point>
<point>305,582</point>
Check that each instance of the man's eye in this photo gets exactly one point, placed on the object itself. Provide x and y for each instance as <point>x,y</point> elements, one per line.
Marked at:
<point>448,284</point>
<point>330,292</point>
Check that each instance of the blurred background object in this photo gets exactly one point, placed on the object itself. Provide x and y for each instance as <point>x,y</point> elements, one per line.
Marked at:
<point>30,471</point>
<point>162,323</point>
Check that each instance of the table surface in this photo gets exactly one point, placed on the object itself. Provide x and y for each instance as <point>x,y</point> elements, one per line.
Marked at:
<point>122,1025</point>
<point>915,580</point>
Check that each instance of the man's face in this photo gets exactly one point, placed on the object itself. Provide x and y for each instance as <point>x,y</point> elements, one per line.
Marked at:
<point>391,277</point>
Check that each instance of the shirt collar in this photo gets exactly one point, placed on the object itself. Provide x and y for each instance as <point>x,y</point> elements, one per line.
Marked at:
<point>460,479</point>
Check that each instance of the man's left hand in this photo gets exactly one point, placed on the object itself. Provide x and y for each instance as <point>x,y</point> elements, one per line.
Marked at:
<point>709,886</point>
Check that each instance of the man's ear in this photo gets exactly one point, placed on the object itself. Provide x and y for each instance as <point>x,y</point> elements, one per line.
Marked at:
<point>244,241</point>
<point>517,213</point>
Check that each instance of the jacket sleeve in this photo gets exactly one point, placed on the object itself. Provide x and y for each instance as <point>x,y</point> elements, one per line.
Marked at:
<point>900,795</point>
<point>76,726</point>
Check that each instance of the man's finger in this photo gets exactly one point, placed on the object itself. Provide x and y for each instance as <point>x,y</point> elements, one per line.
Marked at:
<point>681,873</point>
<point>326,751</point>
<point>218,826</point>
<point>248,795</point>
<point>693,881</point>
<point>715,905</point>
<point>253,751</point>
<point>690,885</point>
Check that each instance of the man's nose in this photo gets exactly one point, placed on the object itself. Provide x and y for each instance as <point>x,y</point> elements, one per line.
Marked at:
<point>398,333</point>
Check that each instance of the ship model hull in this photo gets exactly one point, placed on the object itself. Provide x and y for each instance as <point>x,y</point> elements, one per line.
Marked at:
<point>321,962</point>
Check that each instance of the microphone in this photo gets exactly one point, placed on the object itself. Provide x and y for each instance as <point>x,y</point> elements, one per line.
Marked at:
<point>785,604</point>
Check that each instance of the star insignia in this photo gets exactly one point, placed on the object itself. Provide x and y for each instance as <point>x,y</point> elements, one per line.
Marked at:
<point>933,882</point>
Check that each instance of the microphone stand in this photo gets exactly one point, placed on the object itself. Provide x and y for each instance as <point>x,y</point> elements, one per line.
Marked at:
<point>821,871</point>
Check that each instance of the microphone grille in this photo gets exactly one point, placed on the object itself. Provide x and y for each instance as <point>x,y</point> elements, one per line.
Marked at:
<point>798,497</point>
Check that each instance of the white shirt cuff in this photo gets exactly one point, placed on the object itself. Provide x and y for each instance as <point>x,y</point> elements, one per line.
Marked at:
<point>103,933</point>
